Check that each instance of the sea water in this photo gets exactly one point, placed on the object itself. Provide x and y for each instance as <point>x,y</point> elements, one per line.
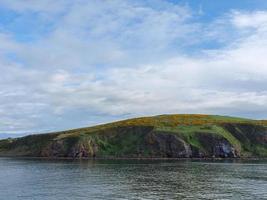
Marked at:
<point>36,179</point>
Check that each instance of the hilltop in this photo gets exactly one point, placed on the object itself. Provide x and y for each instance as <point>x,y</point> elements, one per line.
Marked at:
<point>163,136</point>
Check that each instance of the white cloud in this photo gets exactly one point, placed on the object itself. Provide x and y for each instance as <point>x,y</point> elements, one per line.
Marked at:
<point>256,19</point>
<point>119,59</point>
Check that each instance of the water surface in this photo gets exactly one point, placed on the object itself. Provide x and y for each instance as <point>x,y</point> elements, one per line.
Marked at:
<point>131,179</point>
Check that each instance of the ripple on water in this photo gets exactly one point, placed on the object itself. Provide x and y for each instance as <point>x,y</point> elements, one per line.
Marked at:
<point>68,180</point>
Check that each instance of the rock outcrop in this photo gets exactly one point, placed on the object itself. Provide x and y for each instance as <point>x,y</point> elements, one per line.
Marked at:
<point>167,145</point>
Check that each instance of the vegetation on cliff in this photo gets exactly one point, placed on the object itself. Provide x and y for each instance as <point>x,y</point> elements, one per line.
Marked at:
<point>172,136</point>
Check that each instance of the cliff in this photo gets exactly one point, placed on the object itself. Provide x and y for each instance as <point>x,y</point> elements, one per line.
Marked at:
<point>164,136</point>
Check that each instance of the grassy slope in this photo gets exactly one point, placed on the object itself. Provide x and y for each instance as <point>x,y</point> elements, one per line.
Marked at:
<point>163,121</point>
<point>185,126</point>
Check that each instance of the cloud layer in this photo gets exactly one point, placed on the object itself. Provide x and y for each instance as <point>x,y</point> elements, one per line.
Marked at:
<point>85,63</point>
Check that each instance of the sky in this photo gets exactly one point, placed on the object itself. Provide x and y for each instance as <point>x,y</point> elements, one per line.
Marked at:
<point>66,64</point>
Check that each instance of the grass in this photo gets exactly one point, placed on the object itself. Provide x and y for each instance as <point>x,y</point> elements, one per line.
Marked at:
<point>189,133</point>
<point>165,121</point>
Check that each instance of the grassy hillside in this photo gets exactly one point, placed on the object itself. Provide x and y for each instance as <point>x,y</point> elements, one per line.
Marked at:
<point>158,136</point>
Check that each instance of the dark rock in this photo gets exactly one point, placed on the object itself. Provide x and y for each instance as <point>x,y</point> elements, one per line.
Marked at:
<point>247,133</point>
<point>54,149</point>
<point>216,146</point>
<point>224,150</point>
<point>167,145</point>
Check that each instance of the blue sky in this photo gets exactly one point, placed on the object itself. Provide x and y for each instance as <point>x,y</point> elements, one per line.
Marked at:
<point>67,64</point>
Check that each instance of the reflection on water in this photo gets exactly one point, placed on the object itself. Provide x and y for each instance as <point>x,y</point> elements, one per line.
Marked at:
<point>131,179</point>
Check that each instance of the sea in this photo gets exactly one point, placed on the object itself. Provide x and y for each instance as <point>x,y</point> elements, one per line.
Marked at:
<point>45,179</point>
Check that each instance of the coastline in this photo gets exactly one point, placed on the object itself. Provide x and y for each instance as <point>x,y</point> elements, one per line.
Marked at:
<point>139,159</point>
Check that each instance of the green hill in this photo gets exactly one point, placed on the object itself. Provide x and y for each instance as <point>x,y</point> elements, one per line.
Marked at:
<point>163,136</point>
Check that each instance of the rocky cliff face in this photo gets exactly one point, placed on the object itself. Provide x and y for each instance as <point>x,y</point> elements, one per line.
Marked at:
<point>167,145</point>
<point>61,148</point>
<point>155,144</point>
<point>234,140</point>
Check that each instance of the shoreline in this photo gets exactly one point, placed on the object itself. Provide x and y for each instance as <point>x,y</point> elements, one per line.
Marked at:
<point>142,158</point>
